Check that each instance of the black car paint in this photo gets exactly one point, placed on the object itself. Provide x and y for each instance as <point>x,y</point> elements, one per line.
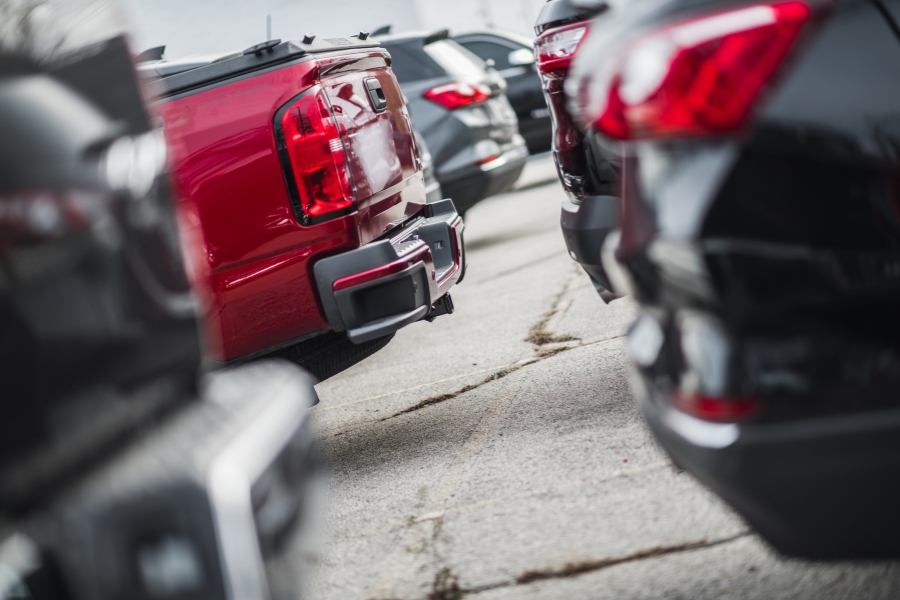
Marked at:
<point>524,88</point>
<point>109,304</point>
<point>770,262</point>
<point>109,446</point>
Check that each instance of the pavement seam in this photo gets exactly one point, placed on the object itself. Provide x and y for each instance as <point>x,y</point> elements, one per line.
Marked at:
<point>506,370</point>
<point>582,568</point>
<point>543,332</point>
<point>553,489</point>
<point>401,560</point>
<point>540,336</point>
<point>415,387</point>
<point>445,397</point>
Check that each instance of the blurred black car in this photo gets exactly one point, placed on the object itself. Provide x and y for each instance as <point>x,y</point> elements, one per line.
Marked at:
<point>761,233</point>
<point>459,107</point>
<point>513,57</point>
<point>122,475</point>
<point>588,171</point>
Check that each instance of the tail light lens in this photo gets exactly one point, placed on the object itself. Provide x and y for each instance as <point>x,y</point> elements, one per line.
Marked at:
<point>37,216</point>
<point>700,77</point>
<point>43,231</point>
<point>555,50</point>
<point>720,410</point>
<point>319,178</point>
<point>456,95</point>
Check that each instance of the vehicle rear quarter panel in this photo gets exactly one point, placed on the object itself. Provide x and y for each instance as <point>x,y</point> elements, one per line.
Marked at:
<point>228,175</point>
<point>257,256</point>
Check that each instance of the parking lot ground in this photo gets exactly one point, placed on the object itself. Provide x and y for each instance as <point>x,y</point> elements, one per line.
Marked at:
<point>498,453</point>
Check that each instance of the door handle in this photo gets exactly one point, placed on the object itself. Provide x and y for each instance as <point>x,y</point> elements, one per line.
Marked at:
<point>376,95</point>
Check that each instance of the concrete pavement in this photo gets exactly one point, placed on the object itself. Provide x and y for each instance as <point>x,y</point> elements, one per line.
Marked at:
<point>498,453</point>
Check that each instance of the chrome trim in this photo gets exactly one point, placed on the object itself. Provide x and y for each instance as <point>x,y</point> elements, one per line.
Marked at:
<point>234,471</point>
<point>701,433</point>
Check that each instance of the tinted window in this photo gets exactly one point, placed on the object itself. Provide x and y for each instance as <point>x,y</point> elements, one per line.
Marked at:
<point>499,53</point>
<point>456,60</point>
<point>410,63</point>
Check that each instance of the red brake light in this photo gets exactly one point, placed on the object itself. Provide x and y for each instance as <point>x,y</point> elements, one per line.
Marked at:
<point>699,77</point>
<point>36,216</point>
<point>722,410</point>
<point>456,95</point>
<point>555,50</point>
<point>317,159</point>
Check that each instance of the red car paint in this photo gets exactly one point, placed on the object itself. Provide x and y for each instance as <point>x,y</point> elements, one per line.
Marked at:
<point>568,138</point>
<point>258,257</point>
<point>420,252</point>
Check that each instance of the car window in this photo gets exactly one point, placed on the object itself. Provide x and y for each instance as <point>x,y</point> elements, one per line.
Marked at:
<point>456,60</point>
<point>499,53</point>
<point>410,63</point>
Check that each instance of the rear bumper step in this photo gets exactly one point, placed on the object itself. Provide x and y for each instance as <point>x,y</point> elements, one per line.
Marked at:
<point>386,285</point>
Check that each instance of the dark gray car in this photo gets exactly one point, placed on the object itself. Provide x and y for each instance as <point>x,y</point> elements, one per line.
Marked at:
<point>459,106</point>
<point>513,57</point>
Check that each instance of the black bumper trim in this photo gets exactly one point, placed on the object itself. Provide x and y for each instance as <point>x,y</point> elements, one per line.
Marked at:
<point>389,284</point>
<point>585,227</point>
<point>820,488</point>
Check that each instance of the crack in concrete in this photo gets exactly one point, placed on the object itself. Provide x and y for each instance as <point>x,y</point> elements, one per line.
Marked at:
<point>446,584</point>
<point>581,568</point>
<point>543,332</point>
<point>500,500</point>
<point>445,397</point>
<point>544,354</point>
<point>319,408</point>
<point>576,569</point>
<point>539,336</point>
<point>400,561</point>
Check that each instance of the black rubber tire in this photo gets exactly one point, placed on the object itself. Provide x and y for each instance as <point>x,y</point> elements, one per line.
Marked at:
<point>331,353</point>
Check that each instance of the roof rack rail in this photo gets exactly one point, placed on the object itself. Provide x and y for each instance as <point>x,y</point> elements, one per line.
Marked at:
<point>437,36</point>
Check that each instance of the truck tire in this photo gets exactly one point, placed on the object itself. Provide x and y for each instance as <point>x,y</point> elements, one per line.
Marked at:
<point>331,353</point>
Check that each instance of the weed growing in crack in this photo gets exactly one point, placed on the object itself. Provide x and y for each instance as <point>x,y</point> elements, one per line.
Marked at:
<point>538,336</point>
<point>548,352</point>
<point>445,586</point>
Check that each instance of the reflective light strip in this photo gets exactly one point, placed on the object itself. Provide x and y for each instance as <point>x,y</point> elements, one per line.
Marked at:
<point>423,253</point>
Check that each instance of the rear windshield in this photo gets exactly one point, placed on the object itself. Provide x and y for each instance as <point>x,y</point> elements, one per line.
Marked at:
<point>456,60</point>
<point>499,53</point>
<point>410,63</point>
<point>414,62</point>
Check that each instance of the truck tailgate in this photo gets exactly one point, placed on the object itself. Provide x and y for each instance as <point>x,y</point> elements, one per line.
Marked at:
<point>378,136</point>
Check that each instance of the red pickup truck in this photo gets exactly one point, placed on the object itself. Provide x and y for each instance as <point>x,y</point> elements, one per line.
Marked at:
<point>298,164</point>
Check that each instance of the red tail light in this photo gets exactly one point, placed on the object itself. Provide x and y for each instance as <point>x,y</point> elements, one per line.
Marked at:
<point>699,77</point>
<point>319,177</point>
<point>556,49</point>
<point>722,410</point>
<point>37,216</point>
<point>456,95</point>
